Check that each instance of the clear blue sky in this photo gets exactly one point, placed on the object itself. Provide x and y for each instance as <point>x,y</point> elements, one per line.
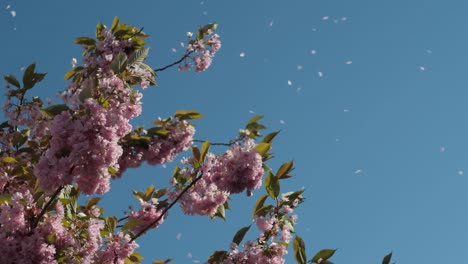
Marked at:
<point>380,139</point>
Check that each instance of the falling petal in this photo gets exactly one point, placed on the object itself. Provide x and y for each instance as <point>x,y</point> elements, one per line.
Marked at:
<point>74,62</point>
<point>313,52</point>
<point>320,74</point>
<point>289,82</point>
<point>442,149</point>
<point>7,7</point>
<point>460,172</point>
<point>252,112</point>
<point>349,62</point>
<point>271,24</point>
<point>298,89</point>
<point>300,67</point>
<point>242,54</point>
<point>344,18</point>
<point>173,50</point>
<point>13,13</point>
<point>325,18</point>
<point>346,110</point>
<point>189,255</point>
<point>422,68</point>
<point>282,122</point>
<point>358,171</point>
<point>178,236</point>
<point>429,51</point>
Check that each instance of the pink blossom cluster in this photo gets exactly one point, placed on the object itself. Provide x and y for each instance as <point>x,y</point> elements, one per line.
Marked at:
<point>239,168</point>
<point>49,239</point>
<point>84,142</point>
<point>161,148</point>
<point>147,214</point>
<point>118,248</point>
<point>203,50</point>
<point>253,253</point>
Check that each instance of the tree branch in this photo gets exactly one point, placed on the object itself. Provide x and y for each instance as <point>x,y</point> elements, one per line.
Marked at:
<point>52,198</point>
<point>174,63</point>
<point>166,209</point>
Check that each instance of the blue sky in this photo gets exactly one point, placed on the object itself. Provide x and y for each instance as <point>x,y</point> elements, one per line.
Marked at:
<point>375,113</point>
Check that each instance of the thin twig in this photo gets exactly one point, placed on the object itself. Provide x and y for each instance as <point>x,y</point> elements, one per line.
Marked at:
<point>166,209</point>
<point>174,63</point>
<point>52,198</point>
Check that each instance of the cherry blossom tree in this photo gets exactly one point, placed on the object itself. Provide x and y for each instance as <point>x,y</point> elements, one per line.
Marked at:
<point>53,156</point>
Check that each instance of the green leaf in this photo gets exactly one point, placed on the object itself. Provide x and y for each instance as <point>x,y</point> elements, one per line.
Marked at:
<point>119,63</point>
<point>85,41</point>
<point>272,185</point>
<point>99,29</point>
<point>138,56</point>
<point>204,151</point>
<point>115,23</point>
<point>12,80</point>
<point>259,203</point>
<point>254,120</point>
<point>264,210</point>
<point>196,153</point>
<point>220,212</point>
<point>93,201</point>
<point>9,160</point>
<point>149,192</point>
<point>113,171</point>
<point>54,110</point>
<point>284,170</point>
<point>299,250</point>
<point>218,257</point>
<point>131,224</point>
<point>268,138</point>
<point>386,259</point>
<point>29,77</point>
<point>240,235</point>
<point>187,114</point>
<point>162,261</point>
<point>323,254</point>
<point>5,198</point>
<point>72,72</point>
<point>263,148</point>
<point>111,223</point>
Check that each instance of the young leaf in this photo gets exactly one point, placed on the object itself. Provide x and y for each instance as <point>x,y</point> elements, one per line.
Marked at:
<point>93,201</point>
<point>9,160</point>
<point>187,114</point>
<point>323,254</point>
<point>196,153</point>
<point>72,72</point>
<point>119,63</point>
<point>115,23</point>
<point>218,257</point>
<point>54,110</point>
<point>131,224</point>
<point>284,170</point>
<point>263,148</point>
<point>240,235</point>
<point>28,77</point>
<point>85,41</point>
<point>268,138</point>
<point>299,250</point>
<point>272,185</point>
<point>138,56</point>
<point>204,151</point>
<point>12,80</point>
<point>259,203</point>
<point>386,259</point>
<point>254,119</point>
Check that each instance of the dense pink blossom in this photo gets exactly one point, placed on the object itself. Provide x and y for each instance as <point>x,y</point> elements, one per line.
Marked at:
<point>147,214</point>
<point>239,169</point>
